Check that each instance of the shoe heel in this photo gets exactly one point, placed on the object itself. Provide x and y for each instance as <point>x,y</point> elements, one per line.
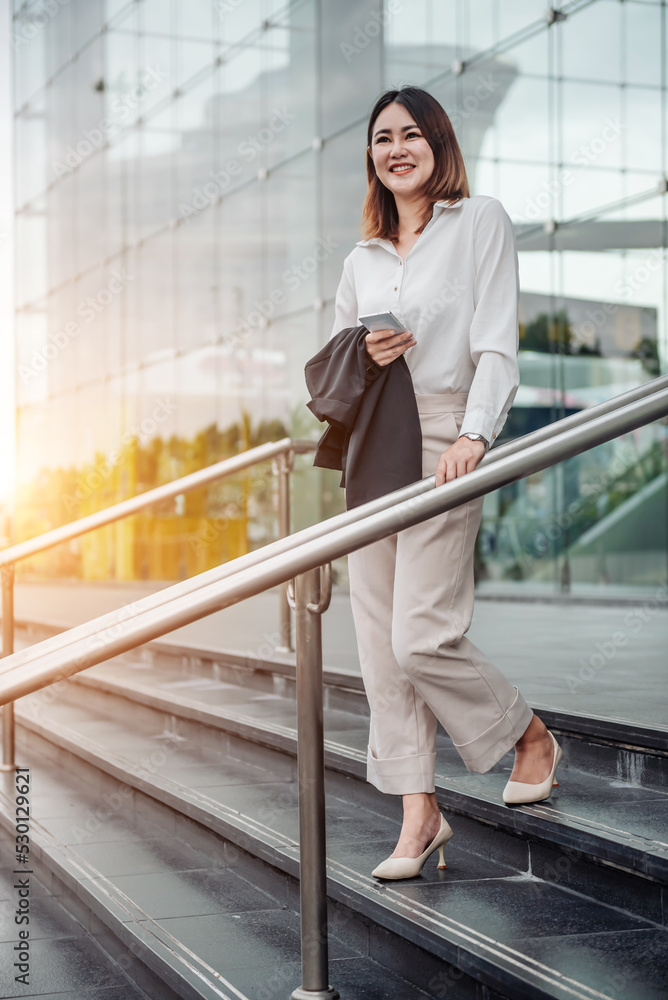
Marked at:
<point>441,861</point>
<point>555,783</point>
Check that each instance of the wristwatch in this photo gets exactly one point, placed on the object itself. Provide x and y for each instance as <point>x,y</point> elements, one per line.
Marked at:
<point>475,437</point>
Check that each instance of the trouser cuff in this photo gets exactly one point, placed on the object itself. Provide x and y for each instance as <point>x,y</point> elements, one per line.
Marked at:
<point>401,775</point>
<point>483,752</point>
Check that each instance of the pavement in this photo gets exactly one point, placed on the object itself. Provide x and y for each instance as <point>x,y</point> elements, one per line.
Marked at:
<point>604,659</point>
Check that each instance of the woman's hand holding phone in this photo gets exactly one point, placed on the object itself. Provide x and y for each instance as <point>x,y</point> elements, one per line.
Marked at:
<point>383,346</point>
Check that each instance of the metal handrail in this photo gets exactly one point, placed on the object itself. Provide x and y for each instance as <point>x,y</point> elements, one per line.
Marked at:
<point>288,542</point>
<point>118,511</point>
<point>282,453</point>
<point>20,678</point>
<point>303,561</point>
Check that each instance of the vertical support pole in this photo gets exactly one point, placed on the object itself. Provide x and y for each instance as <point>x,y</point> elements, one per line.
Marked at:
<point>282,466</point>
<point>311,599</point>
<point>8,758</point>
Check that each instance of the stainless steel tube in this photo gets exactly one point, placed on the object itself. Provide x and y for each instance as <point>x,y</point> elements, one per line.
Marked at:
<point>283,467</point>
<point>168,594</point>
<point>311,768</point>
<point>203,477</point>
<point>306,554</point>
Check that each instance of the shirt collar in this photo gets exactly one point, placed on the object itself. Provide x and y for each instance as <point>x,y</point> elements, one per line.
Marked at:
<point>437,204</point>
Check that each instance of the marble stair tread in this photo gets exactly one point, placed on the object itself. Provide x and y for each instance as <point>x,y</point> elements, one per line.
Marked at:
<point>616,798</point>
<point>208,907</point>
<point>477,898</point>
<point>66,960</point>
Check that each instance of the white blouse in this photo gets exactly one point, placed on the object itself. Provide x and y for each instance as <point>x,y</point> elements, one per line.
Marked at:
<point>458,293</point>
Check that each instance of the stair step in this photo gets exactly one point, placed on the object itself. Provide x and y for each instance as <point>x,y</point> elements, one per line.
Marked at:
<point>65,957</point>
<point>615,800</point>
<point>200,915</point>
<point>342,689</point>
<point>489,914</point>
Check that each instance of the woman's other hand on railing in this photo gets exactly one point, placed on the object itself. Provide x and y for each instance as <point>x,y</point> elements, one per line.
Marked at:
<point>384,346</point>
<point>460,458</point>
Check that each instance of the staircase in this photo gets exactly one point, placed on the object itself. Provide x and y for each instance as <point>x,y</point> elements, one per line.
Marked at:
<point>165,832</point>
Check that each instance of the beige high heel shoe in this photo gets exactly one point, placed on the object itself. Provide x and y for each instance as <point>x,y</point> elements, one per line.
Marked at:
<point>525,791</point>
<point>408,867</point>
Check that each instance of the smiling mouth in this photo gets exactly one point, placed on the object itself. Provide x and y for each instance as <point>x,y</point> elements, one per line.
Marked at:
<point>403,168</point>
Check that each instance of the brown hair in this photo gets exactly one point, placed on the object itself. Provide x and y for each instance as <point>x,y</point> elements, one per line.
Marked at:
<point>448,180</point>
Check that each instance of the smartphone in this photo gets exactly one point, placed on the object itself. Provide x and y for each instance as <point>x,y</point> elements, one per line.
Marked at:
<point>382,321</point>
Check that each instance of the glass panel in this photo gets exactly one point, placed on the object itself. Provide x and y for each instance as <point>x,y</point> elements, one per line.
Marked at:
<point>290,104</point>
<point>239,228</point>
<point>642,44</point>
<point>197,19</point>
<point>644,120</point>
<point>156,78</point>
<point>158,17</point>
<point>344,188</point>
<point>88,16</point>
<point>592,126</point>
<point>155,283</point>
<point>350,47</point>
<point>28,41</point>
<point>196,275</point>
<point>94,296</point>
<point>61,227</point>
<point>59,36</point>
<point>131,310</point>
<point>31,331</point>
<point>474,101</point>
<point>192,58</point>
<point>155,203</point>
<point>113,7</point>
<point>293,255</point>
<point>121,62</point>
<point>235,21</point>
<point>515,15</point>
<point>91,213</point>
<point>529,57</point>
<point>589,188</point>
<point>30,282</point>
<point>521,122</point>
<point>524,190</point>
<point>591,42</point>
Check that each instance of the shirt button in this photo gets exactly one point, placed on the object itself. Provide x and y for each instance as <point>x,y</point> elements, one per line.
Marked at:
<point>395,288</point>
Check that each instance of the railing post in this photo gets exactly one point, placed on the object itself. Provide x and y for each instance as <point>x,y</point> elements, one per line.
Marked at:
<point>282,467</point>
<point>7,572</point>
<point>312,594</point>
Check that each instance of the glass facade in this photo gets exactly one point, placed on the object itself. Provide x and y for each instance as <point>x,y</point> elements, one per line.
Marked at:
<point>189,178</point>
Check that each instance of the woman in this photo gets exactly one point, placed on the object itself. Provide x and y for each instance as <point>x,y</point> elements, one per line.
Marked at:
<point>446,264</point>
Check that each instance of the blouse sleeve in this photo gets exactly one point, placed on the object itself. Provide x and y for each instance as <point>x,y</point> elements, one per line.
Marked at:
<point>345,307</point>
<point>494,332</point>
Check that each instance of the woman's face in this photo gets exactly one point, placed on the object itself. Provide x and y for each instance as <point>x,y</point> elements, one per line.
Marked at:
<point>396,140</point>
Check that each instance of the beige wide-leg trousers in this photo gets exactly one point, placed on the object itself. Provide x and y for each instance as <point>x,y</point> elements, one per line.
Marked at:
<point>412,601</point>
